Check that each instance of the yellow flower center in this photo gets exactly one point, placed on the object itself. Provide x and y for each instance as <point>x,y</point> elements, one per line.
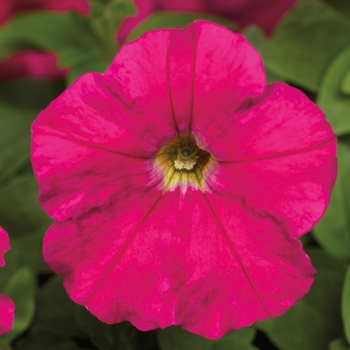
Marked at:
<point>183,163</point>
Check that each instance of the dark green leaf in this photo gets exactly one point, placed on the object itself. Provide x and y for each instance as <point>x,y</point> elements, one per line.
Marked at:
<point>4,345</point>
<point>45,342</point>
<point>333,230</point>
<point>339,344</point>
<point>175,338</point>
<point>332,98</point>
<point>346,305</point>
<point>21,289</point>
<point>315,320</point>
<point>342,6</point>
<point>20,212</point>
<point>121,336</point>
<point>106,16</point>
<point>14,139</point>
<point>345,86</point>
<point>306,41</point>
<point>55,311</point>
<point>174,19</point>
<point>257,38</point>
<point>67,34</point>
<point>32,94</point>
<point>29,257</point>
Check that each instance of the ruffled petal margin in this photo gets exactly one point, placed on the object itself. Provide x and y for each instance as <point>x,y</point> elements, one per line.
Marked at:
<point>7,307</point>
<point>198,261</point>
<point>210,261</point>
<point>281,161</point>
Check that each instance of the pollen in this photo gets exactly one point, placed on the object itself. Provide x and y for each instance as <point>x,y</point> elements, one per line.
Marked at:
<point>183,163</point>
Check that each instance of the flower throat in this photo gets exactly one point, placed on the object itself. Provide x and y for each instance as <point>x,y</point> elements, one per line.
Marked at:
<point>183,163</point>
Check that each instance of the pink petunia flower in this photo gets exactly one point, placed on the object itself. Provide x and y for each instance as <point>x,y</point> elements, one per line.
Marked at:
<point>179,182</point>
<point>7,307</point>
<point>35,64</point>
<point>9,7</point>
<point>265,13</point>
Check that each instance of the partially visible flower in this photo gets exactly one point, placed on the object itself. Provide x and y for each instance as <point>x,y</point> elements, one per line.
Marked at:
<point>9,7</point>
<point>264,13</point>
<point>34,64</point>
<point>179,183</point>
<point>7,307</point>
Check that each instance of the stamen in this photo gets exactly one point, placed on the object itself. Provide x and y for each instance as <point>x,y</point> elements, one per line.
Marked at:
<point>188,164</point>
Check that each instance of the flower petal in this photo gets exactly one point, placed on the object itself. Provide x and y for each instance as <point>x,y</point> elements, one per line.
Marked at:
<point>7,306</point>
<point>82,149</point>
<point>207,264</point>
<point>7,309</point>
<point>244,12</point>
<point>224,88</point>
<point>281,161</point>
<point>131,110</point>
<point>31,64</point>
<point>4,245</point>
<point>172,75</point>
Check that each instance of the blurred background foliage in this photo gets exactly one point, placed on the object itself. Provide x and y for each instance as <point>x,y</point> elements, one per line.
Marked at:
<point>44,48</point>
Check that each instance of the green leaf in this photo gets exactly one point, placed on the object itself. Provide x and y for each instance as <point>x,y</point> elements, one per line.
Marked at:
<point>333,230</point>
<point>106,337</point>
<point>175,338</point>
<point>332,99</point>
<point>20,212</point>
<point>29,257</point>
<point>67,34</point>
<point>30,94</point>
<point>339,344</point>
<point>306,41</point>
<point>345,86</point>
<point>172,19</point>
<point>343,7</point>
<point>45,342</point>
<point>106,16</point>
<point>256,37</point>
<point>55,311</point>
<point>14,139</point>
<point>346,305</point>
<point>21,289</point>
<point>315,320</point>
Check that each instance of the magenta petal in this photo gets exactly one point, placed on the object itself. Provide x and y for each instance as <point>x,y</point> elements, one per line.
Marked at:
<point>284,143</point>
<point>224,88</point>
<point>7,307</point>
<point>7,310</point>
<point>180,83</point>
<point>81,6</point>
<point>221,268</point>
<point>195,229</point>
<point>9,7</point>
<point>244,12</point>
<point>5,11</point>
<point>31,64</point>
<point>81,137</point>
<point>4,245</point>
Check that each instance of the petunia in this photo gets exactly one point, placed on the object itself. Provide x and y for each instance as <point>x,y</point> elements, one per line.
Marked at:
<point>9,7</point>
<point>34,63</point>
<point>244,12</point>
<point>7,307</point>
<point>180,182</point>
